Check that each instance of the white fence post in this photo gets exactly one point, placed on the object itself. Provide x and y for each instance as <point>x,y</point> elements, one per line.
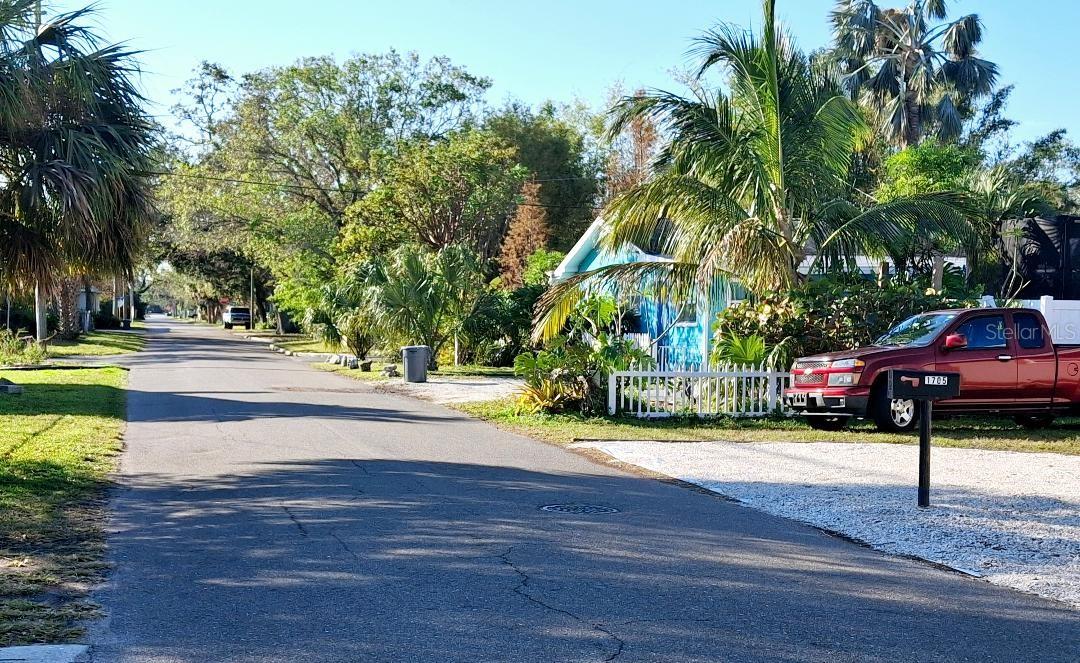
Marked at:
<point>611,386</point>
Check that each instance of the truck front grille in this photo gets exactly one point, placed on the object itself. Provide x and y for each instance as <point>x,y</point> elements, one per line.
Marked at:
<point>812,378</point>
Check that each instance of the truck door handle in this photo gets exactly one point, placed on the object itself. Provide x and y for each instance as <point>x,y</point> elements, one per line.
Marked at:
<point>1004,357</point>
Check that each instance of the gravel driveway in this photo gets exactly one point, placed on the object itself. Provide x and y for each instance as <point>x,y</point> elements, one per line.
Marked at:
<point>447,390</point>
<point>1012,518</point>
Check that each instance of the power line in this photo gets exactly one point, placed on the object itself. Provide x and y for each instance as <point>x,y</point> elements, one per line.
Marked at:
<point>315,187</point>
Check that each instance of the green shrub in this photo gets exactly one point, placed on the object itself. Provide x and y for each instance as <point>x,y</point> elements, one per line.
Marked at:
<point>106,320</point>
<point>570,375</point>
<point>557,379</point>
<point>498,328</point>
<point>14,351</point>
<point>538,264</point>
<point>834,313</point>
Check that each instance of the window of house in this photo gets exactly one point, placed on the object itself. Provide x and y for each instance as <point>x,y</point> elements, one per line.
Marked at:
<point>687,316</point>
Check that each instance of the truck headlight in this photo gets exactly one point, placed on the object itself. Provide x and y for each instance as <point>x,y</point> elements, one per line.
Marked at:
<point>843,379</point>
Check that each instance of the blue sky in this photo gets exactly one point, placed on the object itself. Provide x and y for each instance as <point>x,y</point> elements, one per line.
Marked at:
<point>556,49</point>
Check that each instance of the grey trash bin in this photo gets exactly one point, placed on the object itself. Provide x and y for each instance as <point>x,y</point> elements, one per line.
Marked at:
<point>415,358</point>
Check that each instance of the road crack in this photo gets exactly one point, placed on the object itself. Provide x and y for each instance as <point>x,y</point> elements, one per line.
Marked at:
<point>295,520</point>
<point>521,590</point>
<point>344,546</point>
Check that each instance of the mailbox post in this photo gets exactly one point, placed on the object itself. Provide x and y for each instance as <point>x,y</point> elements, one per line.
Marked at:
<point>924,387</point>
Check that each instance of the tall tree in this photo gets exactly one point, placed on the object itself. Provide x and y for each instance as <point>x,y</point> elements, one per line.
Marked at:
<point>282,155</point>
<point>750,180</point>
<point>556,153</point>
<point>630,154</point>
<point>460,190</point>
<point>75,149</point>
<point>528,232</point>
<point>917,76</point>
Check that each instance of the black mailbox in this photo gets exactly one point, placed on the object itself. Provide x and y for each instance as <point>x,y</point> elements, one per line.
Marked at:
<point>923,385</point>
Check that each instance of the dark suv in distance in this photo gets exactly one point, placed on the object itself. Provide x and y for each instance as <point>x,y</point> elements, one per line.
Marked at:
<point>236,315</point>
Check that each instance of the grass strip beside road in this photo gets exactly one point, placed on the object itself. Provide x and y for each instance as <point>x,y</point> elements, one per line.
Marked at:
<point>99,344</point>
<point>307,345</point>
<point>58,443</point>
<point>964,432</point>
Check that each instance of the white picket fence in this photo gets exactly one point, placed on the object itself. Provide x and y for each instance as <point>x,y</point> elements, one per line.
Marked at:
<point>735,391</point>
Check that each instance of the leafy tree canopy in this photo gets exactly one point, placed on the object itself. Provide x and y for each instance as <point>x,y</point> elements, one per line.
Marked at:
<point>927,167</point>
<point>556,154</point>
<point>458,190</point>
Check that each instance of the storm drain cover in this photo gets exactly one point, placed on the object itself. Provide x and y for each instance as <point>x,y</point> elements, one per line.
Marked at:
<point>580,509</point>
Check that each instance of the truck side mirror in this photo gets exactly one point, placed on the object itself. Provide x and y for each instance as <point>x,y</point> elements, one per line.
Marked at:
<point>955,341</point>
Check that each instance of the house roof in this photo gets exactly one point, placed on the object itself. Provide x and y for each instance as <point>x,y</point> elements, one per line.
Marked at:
<point>574,262</point>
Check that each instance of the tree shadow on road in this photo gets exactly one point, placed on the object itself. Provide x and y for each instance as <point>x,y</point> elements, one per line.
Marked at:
<point>377,559</point>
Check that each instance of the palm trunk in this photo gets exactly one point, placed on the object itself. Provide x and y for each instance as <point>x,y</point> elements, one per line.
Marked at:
<point>67,306</point>
<point>913,127</point>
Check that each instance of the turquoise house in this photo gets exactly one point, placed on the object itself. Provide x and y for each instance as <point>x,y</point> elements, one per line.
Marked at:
<point>677,339</point>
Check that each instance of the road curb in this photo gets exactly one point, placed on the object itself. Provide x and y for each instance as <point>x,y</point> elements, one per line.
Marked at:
<point>46,654</point>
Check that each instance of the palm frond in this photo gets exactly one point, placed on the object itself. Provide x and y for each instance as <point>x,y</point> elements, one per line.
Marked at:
<point>962,36</point>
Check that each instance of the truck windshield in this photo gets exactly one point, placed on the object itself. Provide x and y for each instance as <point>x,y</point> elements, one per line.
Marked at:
<point>238,309</point>
<point>917,331</point>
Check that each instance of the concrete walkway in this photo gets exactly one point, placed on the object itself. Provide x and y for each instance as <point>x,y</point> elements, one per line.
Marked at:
<point>271,512</point>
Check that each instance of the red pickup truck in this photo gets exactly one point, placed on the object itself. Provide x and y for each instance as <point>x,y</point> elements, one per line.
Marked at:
<point>1006,361</point>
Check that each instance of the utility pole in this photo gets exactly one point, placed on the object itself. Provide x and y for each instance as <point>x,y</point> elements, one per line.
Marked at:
<point>41,330</point>
<point>251,297</point>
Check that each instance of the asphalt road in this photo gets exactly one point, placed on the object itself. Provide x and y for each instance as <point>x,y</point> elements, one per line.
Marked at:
<point>271,512</point>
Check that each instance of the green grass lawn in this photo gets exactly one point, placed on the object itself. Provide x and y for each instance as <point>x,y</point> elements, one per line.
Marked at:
<point>970,432</point>
<point>307,345</point>
<point>58,443</point>
<point>98,344</point>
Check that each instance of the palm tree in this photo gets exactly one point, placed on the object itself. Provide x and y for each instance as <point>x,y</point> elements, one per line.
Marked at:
<point>341,316</point>
<point>750,180</point>
<point>75,152</point>
<point>421,296</point>
<point>995,196</point>
<point>911,73</point>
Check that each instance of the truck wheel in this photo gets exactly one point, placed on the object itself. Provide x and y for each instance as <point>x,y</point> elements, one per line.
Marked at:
<point>827,423</point>
<point>1034,421</point>
<point>228,326</point>
<point>893,415</point>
